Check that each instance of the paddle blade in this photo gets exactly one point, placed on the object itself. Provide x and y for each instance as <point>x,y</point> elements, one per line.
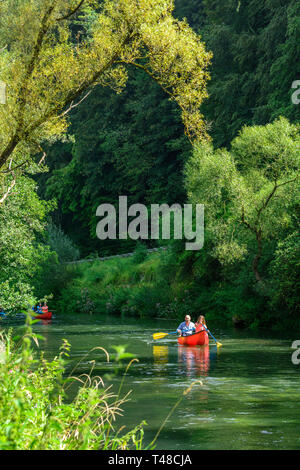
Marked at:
<point>219,344</point>
<point>159,335</point>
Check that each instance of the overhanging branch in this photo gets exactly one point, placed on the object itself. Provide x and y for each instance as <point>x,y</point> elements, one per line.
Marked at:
<point>71,13</point>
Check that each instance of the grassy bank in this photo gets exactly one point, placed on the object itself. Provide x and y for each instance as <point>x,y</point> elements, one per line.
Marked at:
<point>144,285</point>
<point>171,283</point>
<point>122,286</point>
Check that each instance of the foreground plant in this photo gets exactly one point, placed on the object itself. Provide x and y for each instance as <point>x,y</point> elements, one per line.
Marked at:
<point>34,412</point>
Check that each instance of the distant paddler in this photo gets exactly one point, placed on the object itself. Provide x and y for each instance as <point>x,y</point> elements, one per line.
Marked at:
<point>2,313</point>
<point>45,308</point>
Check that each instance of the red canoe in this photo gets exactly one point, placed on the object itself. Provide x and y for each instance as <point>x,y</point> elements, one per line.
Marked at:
<point>44,316</point>
<point>197,339</point>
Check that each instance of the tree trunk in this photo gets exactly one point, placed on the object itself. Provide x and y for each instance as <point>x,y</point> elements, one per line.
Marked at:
<point>258,257</point>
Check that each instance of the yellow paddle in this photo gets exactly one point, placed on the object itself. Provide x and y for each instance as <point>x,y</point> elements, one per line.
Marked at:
<point>162,335</point>
<point>217,343</point>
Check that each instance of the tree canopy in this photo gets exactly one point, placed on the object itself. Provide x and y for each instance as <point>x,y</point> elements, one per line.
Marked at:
<point>48,61</point>
<point>250,193</point>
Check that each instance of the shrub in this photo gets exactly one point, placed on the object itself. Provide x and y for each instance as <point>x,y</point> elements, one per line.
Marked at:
<point>62,244</point>
<point>140,254</point>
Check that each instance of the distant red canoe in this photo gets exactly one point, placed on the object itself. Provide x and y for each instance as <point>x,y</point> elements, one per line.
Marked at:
<point>197,339</point>
<point>44,316</point>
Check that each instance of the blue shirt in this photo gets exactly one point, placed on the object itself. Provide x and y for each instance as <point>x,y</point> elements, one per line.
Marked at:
<point>186,330</point>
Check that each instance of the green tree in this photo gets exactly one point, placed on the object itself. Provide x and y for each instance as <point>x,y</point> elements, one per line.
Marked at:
<point>22,244</point>
<point>255,61</point>
<point>61,244</point>
<point>48,71</point>
<point>284,271</point>
<point>249,192</point>
<point>133,143</point>
<point>112,152</point>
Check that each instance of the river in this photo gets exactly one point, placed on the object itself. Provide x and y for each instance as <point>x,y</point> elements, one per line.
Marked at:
<point>248,397</point>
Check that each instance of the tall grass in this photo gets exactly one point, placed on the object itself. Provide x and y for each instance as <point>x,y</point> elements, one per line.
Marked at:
<point>126,286</point>
<point>155,285</point>
<point>34,412</point>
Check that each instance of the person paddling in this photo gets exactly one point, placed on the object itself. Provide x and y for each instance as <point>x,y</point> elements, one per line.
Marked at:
<point>45,308</point>
<point>200,324</point>
<point>39,308</point>
<point>187,327</point>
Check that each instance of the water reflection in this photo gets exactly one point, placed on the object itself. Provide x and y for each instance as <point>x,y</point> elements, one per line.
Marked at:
<point>160,354</point>
<point>194,360</point>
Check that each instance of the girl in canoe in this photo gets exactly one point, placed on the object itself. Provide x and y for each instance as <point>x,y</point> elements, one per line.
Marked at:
<point>201,324</point>
<point>45,308</point>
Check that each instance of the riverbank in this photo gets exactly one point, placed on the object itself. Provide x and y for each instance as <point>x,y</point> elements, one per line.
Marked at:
<point>143,286</point>
<point>168,284</point>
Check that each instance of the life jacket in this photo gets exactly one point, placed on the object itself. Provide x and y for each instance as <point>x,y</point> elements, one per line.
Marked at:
<point>199,327</point>
<point>45,309</point>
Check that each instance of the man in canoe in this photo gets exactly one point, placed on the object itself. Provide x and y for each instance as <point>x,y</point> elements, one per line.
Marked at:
<point>187,327</point>
<point>39,308</point>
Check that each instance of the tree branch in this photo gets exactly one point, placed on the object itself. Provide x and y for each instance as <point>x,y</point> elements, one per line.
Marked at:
<point>71,13</point>
<point>9,189</point>
<point>69,99</point>
<point>72,106</point>
<point>15,168</point>
<point>43,157</point>
<point>15,139</point>
<point>74,94</point>
<point>287,182</point>
<point>247,223</point>
<point>36,51</point>
<point>265,204</point>
<point>141,67</point>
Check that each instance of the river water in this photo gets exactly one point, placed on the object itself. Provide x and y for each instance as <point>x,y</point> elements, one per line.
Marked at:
<point>248,397</point>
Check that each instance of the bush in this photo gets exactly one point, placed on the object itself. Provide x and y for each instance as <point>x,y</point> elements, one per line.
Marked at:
<point>62,244</point>
<point>140,253</point>
<point>285,270</point>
